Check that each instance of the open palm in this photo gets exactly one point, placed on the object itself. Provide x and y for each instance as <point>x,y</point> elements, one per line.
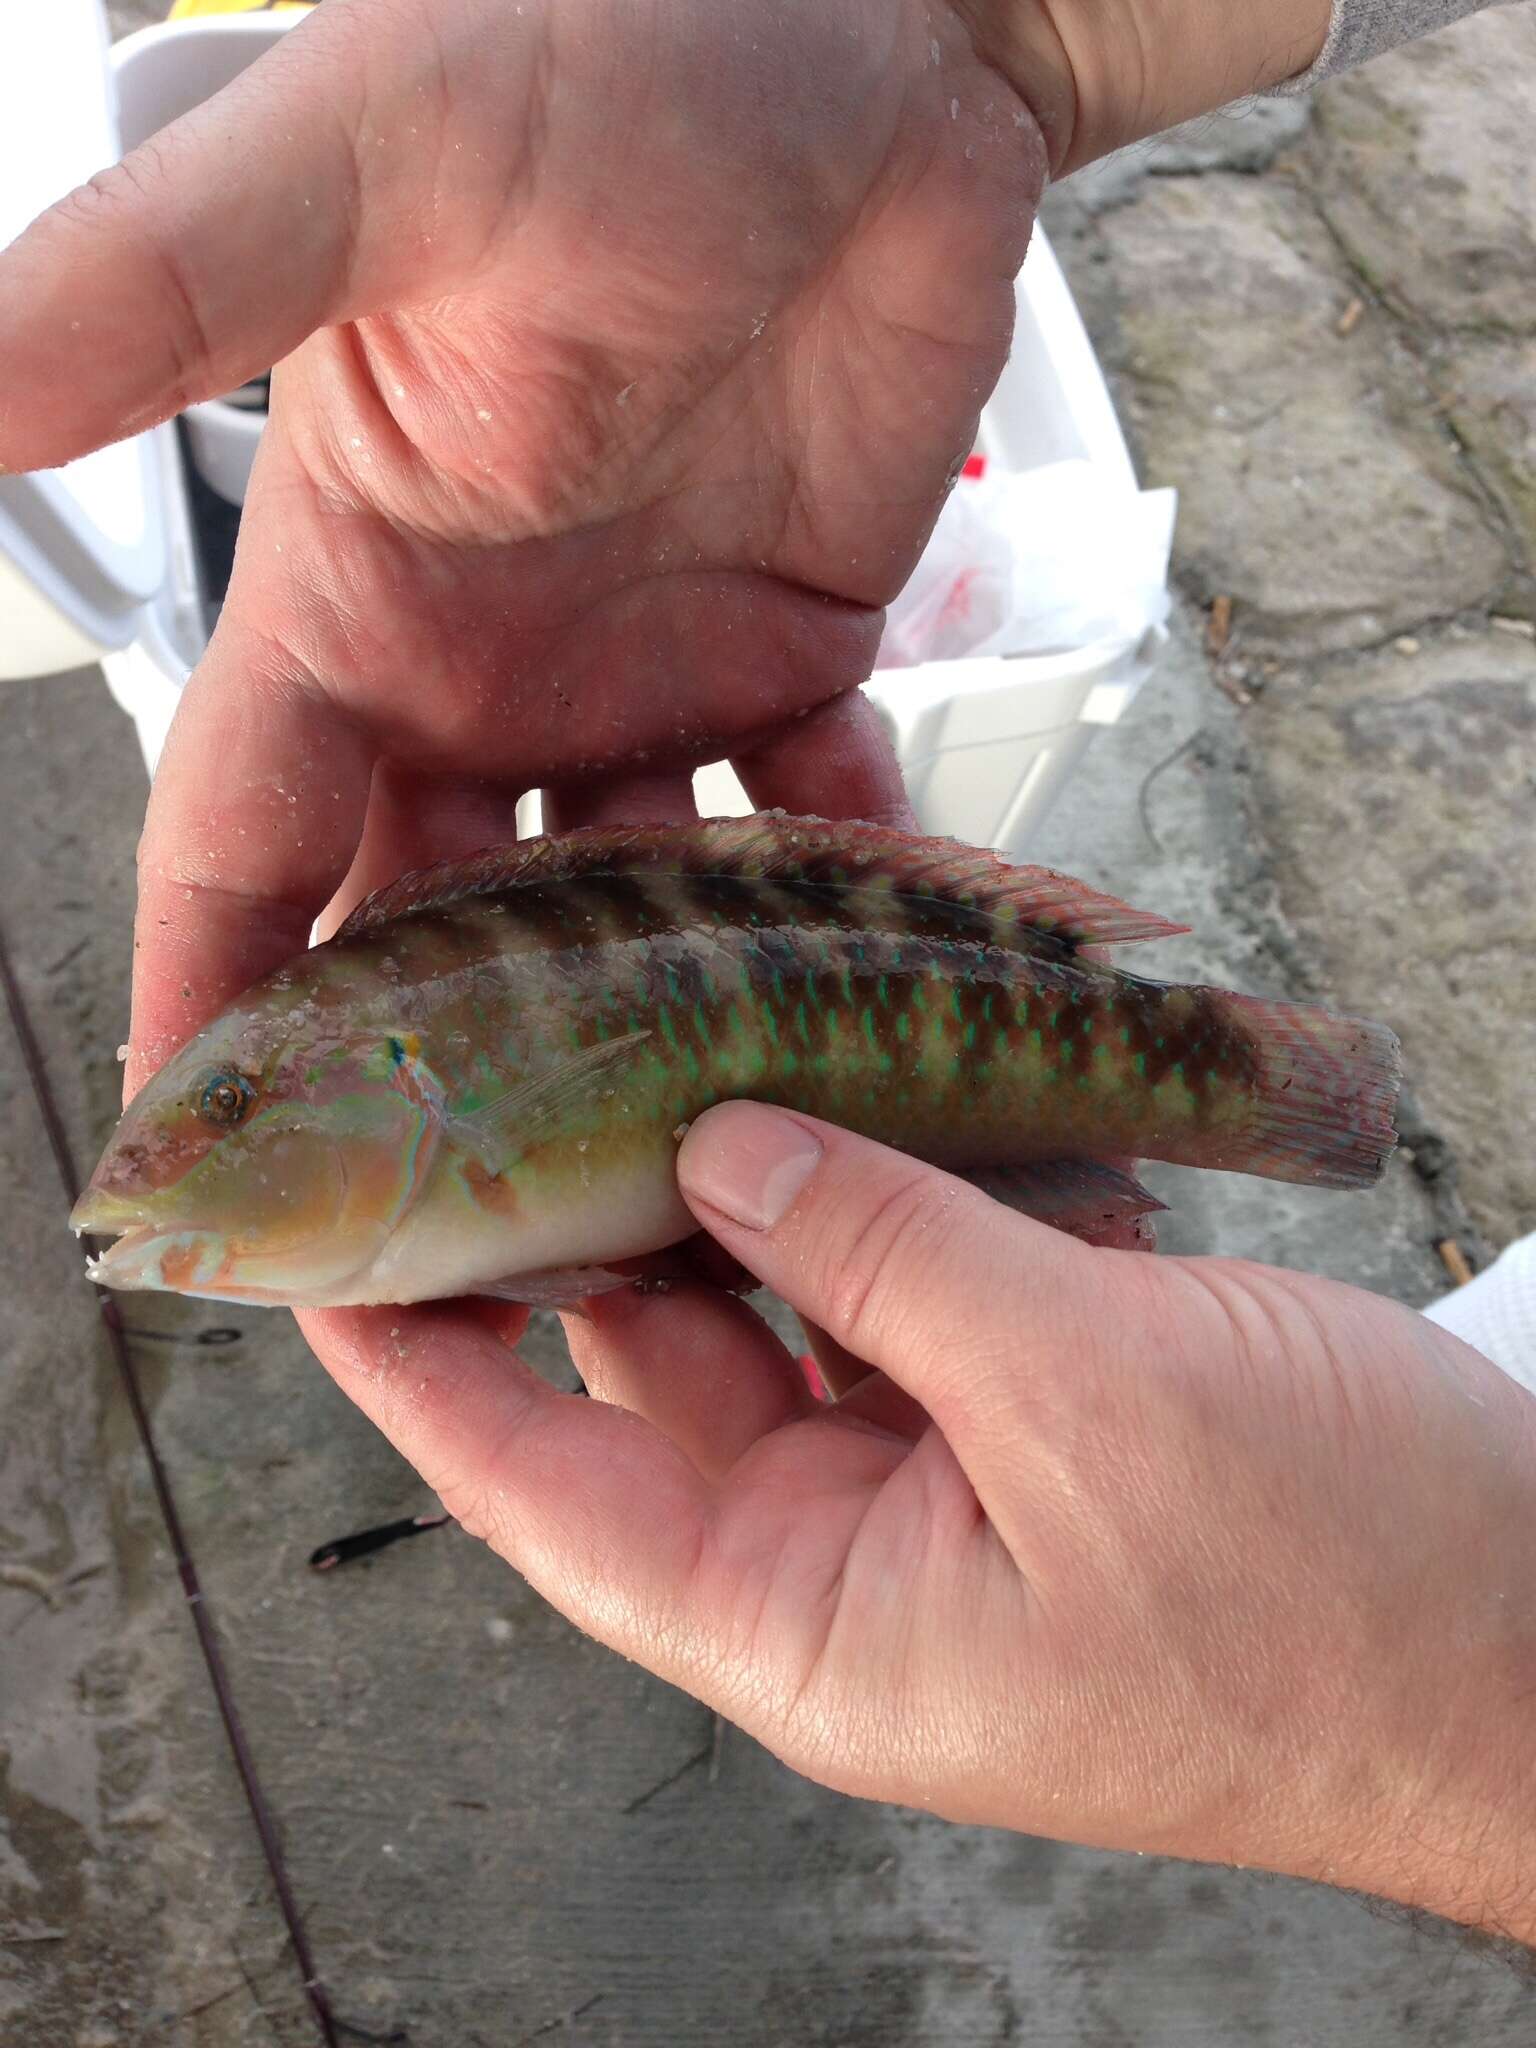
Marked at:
<point>627,350</point>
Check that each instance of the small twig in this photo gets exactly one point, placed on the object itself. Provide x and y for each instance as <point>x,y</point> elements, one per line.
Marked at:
<point>27,1579</point>
<point>1454,1260</point>
<point>344,1549</point>
<point>1151,776</point>
<point>689,1764</point>
<point>67,959</point>
<point>1218,627</point>
<point>1349,319</point>
<point>208,2004</point>
<point>563,2019</point>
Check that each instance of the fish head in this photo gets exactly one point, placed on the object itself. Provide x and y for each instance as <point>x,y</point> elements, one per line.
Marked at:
<point>268,1161</point>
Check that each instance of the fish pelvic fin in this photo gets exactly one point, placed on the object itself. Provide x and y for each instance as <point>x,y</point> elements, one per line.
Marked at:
<point>555,1287</point>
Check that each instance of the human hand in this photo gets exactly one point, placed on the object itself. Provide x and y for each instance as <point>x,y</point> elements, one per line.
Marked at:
<point>1179,1555</point>
<point>627,350</point>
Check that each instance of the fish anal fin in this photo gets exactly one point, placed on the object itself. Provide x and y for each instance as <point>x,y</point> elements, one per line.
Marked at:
<point>1086,1198</point>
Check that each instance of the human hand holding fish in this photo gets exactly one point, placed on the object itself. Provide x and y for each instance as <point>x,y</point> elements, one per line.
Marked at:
<point>602,465</point>
<point>1176,1555</point>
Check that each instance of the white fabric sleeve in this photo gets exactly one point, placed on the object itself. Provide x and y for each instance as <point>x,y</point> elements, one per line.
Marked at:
<point>1362,29</point>
<point>1496,1312</point>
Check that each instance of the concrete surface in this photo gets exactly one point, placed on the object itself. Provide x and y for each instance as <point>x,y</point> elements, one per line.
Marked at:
<point>1328,342</point>
<point>501,1834</point>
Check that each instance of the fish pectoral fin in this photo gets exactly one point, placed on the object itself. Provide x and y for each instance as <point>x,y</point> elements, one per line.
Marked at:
<point>501,1131</point>
<point>1083,1197</point>
<point>559,1287</point>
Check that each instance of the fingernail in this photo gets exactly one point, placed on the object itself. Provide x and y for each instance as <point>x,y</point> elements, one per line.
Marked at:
<point>747,1161</point>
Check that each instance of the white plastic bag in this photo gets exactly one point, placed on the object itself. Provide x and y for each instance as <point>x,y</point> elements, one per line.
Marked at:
<point>1045,561</point>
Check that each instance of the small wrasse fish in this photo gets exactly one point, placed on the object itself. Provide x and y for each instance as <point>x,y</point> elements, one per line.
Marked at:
<point>479,1085</point>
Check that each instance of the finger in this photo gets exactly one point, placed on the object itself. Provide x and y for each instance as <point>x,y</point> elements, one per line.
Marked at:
<point>282,175</point>
<point>901,1265</point>
<point>620,800</point>
<point>838,761</point>
<point>701,1366</point>
<point>253,820</point>
<point>415,821</point>
<point>177,247</point>
<point>604,1517</point>
<point>878,1402</point>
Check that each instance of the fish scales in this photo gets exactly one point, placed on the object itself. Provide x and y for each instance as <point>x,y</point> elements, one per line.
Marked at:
<point>963,1050</point>
<point>500,1054</point>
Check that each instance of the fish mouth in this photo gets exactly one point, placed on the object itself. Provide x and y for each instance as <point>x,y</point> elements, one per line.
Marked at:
<point>137,1260</point>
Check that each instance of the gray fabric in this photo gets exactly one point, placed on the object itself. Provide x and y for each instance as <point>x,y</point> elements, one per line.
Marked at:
<point>1362,29</point>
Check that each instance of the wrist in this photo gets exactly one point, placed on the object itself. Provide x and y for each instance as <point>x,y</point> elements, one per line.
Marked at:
<point>1098,74</point>
<point>1459,1840</point>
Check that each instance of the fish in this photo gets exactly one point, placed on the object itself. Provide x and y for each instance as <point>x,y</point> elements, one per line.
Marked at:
<point>479,1084</point>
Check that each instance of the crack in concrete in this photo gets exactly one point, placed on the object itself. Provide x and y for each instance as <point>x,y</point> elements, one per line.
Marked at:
<point>1411,327</point>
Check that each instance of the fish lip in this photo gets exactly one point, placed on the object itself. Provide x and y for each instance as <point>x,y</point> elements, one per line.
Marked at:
<point>99,1213</point>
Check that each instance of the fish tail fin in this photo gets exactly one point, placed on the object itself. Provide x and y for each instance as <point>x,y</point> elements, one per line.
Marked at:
<point>1324,1095</point>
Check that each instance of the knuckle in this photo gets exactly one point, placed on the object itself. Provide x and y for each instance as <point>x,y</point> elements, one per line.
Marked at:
<point>127,200</point>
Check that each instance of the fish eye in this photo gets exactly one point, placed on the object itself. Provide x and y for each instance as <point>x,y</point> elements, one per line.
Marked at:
<point>226,1100</point>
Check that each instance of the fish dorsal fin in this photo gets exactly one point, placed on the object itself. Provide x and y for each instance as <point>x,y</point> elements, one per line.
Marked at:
<point>775,847</point>
<point>502,1130</point>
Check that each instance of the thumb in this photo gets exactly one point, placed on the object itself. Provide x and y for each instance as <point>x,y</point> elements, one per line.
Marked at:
<point>221,243</point>
<point>960,1302</point>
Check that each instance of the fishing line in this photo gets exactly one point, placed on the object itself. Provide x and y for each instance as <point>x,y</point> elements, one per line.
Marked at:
<point>186,1568</point>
